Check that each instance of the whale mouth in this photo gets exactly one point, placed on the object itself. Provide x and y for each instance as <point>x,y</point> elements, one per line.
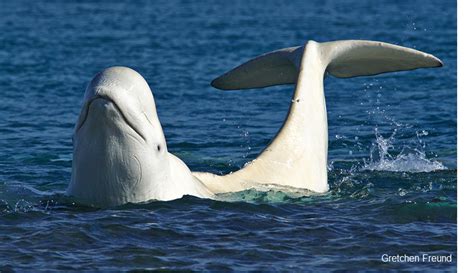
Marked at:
<point>108,99</point>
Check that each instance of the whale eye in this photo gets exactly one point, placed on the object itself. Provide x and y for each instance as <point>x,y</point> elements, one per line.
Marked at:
<point>158,147</point>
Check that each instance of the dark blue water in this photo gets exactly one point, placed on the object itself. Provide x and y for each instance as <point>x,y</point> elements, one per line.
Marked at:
<point>392,147</point>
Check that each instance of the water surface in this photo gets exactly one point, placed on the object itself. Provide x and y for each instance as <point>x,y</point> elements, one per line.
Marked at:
<point>392,137</point>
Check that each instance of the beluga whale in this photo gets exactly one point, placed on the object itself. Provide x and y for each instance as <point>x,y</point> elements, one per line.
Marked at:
<point>120,154</point>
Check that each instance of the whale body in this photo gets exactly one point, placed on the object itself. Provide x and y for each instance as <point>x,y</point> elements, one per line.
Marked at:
<point>120,153</point>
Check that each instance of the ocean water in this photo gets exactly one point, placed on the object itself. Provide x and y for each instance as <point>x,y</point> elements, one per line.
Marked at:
<point>392,137</point>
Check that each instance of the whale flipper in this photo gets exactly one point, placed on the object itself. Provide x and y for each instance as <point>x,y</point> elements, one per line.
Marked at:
<point>297,156</point>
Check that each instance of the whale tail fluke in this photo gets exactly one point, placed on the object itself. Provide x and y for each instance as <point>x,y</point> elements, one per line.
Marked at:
<point>364,58</point>
<point>297,156</point>
<point>342,59</point>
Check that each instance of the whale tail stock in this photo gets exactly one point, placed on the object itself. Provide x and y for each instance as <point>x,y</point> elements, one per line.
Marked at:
<point>297,156</point>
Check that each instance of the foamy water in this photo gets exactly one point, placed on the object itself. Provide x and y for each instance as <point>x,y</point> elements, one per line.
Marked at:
<point>407,160</point>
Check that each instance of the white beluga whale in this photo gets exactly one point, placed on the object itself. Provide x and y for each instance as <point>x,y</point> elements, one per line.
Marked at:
<point>120,153</point>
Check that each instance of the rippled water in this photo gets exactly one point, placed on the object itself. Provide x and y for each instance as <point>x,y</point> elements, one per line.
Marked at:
<point>392,148</point>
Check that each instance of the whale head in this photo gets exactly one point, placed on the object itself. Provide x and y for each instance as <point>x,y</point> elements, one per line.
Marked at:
<point>120,153</point>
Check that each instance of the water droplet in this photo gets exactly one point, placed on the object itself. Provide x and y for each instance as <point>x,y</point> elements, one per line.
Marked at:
<point>402,192</point>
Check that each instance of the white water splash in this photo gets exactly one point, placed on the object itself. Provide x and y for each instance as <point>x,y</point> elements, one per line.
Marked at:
<point>413,161</point>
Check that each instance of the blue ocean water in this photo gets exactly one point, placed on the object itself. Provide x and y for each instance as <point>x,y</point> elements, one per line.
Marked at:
<point>392,137</point>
